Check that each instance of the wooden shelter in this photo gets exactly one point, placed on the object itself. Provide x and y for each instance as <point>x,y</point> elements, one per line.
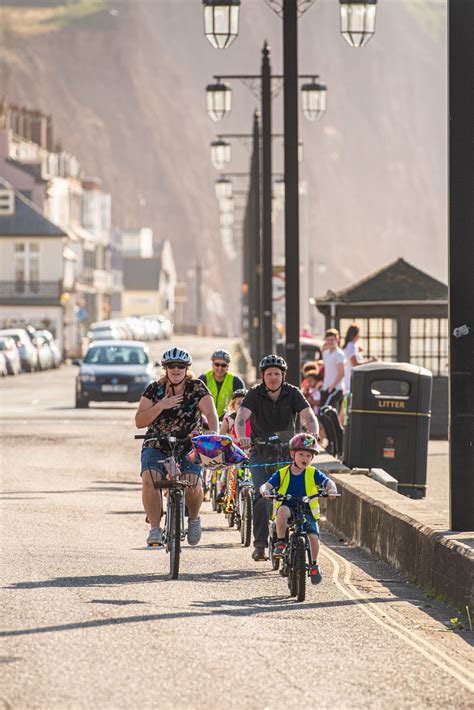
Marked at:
<point>403,316</point>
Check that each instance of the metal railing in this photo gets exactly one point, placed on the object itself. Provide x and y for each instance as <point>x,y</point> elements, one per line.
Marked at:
<point>29,291</point>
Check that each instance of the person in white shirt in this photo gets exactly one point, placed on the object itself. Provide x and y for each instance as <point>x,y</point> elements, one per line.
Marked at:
<point>353,354</point>
<point>333,383</point>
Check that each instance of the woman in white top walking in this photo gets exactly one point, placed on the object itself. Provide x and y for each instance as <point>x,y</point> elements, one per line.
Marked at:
<point>353,353</point>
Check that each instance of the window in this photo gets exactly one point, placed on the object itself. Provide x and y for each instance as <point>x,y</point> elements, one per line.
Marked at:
<point>429,344</point>
<point>27,265</point>
<point>378,336</point>
<point>7,202</point>
<point>116,355</point>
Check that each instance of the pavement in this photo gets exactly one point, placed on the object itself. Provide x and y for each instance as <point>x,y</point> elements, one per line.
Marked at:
<point>89,618</point>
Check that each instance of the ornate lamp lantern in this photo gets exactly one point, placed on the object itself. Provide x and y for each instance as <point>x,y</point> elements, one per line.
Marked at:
<point>223,188</point>
<point>219,100</point>
<point>313,96</point>
<point>357,21</point>
<point>220,154</point>
<point>221,22</point>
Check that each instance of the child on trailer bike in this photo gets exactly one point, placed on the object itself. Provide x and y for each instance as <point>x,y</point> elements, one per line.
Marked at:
<point>228,427</point>
<point>299,480</point>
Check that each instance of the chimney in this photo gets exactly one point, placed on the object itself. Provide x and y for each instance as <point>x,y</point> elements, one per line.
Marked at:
<point>49,134</point>
<point>39,128</point>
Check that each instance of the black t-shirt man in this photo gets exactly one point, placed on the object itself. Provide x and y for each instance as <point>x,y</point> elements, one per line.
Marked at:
<point>270,416</point>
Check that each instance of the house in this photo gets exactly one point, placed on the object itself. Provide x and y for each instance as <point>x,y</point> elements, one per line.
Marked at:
<point>52,179</point>
<point>31,264</point>
<point>403,316</point>
<point>149,284</point>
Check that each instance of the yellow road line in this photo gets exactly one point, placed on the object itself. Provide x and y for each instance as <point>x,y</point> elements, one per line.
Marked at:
<point>416,641</point>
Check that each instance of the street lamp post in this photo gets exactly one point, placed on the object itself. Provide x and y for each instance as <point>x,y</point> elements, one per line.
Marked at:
<point>267,237</point>
<point>461,263</point>
<point>357,26</point>
<point>292,254</point>
<point>219,103</point>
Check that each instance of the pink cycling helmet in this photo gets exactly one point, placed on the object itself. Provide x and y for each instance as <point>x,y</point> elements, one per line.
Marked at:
<point>304,442</point>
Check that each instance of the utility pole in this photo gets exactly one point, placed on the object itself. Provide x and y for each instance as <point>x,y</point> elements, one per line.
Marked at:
<point>255,250</point>
<point>198,298</point>
<point>292,259</point>
<point>267,263</point>
<point>461,262</point>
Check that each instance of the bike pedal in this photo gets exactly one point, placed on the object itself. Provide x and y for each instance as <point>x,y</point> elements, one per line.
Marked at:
<point>155,546</point>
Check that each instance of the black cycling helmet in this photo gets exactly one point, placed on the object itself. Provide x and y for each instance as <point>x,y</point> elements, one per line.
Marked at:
<point>176,355</point>
<point>221,355</point>
<point>272,361</point>
<point>239,393</point>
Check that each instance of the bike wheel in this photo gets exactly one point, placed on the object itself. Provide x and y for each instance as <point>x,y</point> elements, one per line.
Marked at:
<point>275,562</point>
<point>300,569</point>
<point>213,497</point>
<point>175,535</point>
<point>246,524</point>
<point>292,578</point>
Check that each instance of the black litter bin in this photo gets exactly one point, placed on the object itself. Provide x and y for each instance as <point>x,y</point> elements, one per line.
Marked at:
<point>388,422</point>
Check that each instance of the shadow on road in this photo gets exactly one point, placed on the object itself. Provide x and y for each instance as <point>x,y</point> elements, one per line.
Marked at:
<point>116,602</point>
<point>243,608</point>
<point>113,580</point>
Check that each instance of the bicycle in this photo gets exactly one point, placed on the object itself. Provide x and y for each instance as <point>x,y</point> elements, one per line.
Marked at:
<point>296,560</point>
<point>174,530</point>
<point>216,504</point>
<point>244,507</point>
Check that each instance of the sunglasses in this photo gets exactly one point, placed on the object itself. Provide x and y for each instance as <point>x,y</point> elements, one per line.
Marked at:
<point>220,364</point>
<point>175,366</point>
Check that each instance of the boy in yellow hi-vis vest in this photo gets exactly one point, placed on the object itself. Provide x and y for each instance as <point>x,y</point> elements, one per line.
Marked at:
<point>300,480</point>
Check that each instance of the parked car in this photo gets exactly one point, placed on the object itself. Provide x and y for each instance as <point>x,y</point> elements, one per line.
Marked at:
<point>45,356</point>
<point>310,349</point>
<point>162,325</point>
<point>27,351</point>
<point>53,346</point>
<point>10,352</point>
<point>106,330</point>
<point>3,365</point>
<point>113,371</point>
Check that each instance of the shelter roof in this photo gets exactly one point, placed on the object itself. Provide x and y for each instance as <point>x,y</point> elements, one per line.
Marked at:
<point>399,281</point>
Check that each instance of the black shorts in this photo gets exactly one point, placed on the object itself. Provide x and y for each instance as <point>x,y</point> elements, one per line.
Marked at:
<point>331,399</point>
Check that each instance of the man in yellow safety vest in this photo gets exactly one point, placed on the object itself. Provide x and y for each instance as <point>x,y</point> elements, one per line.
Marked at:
<point>220,382</point>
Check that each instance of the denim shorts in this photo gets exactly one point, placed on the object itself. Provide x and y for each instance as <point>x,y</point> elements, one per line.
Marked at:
<point>152,459</point>
<point>311,524</point>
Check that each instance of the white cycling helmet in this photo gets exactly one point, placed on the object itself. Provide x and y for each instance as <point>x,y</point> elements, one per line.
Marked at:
<point>176,355</point>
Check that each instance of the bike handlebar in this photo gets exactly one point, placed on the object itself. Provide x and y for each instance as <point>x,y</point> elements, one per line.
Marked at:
<point>320,494</point>
<point>171,484</point>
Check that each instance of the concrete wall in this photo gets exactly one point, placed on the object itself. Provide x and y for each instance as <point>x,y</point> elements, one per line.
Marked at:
<point>405,533</point>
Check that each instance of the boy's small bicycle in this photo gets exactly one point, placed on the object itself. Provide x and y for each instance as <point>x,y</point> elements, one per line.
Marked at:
<point>174,529</point>
<point>296,560</point>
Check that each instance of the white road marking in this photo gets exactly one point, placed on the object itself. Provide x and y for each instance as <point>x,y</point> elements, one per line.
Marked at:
<point>416,641</point>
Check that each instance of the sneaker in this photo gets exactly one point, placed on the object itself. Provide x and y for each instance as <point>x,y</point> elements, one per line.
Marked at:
<point>194,531</point>
<point>155,537</point>
<point>315,573</point>
<point>279,549</point>
<point>258,554</point>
